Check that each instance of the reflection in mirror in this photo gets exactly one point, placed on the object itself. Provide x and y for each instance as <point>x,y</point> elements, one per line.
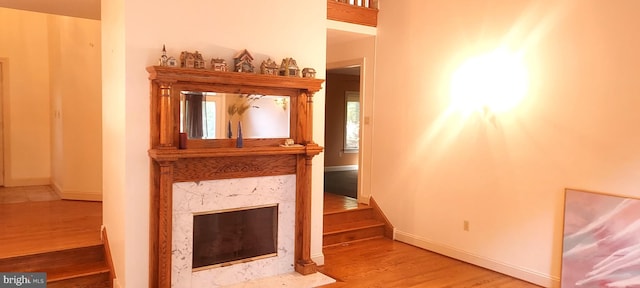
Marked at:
<point>211,115</point>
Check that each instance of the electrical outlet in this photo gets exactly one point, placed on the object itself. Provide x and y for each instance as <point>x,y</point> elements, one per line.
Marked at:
<point>465,225</point>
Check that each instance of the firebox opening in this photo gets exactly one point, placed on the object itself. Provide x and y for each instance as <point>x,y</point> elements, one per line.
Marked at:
<point>226,237</point>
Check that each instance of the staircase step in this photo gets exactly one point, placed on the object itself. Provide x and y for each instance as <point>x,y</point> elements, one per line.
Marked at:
<point>98,280</point>
<point>69,272</point>
<point>353,215</point>
<point>352,231</point>
<point>54,259</point>
<point>76,267</point>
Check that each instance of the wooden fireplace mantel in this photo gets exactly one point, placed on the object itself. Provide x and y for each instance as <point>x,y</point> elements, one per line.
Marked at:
<point>219,159</point>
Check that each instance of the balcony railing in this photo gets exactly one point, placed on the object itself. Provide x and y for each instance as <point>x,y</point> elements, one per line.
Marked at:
<point>363,12</point>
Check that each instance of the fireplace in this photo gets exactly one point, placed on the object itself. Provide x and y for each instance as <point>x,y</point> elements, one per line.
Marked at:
<point>192,200</point>
<point>233,236</point>
<point>185,181</point>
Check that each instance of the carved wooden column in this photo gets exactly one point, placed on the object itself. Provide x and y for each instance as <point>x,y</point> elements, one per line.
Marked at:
<point>166,116</point>
<point>161,223</point>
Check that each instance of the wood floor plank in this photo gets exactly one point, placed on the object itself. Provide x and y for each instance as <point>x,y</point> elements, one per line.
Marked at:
<point>390,264</point>
<point>36,227</point>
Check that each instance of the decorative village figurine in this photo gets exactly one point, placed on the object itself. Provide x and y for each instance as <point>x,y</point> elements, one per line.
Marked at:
<point>191,60</point>
<point>199,62</point>
<point>309,73</point>
<point>187,60</point>
<point>242,62</point>
<point>289,68</point>
<point>166,60</point>
<point>269,67</point>
<point>163,59</point>
<point>218,64</point>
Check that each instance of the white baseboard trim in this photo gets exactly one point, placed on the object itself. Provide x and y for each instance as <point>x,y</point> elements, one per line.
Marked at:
<point>340,168</point>
<point>8,182</point>
<point>76,195</point>
<point>83,196</point>
<point>318,258</point>
<point>525,274</point>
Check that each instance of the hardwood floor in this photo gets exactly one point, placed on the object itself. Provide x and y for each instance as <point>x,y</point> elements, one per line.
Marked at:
<point>41,233</point>
<point>43,226</point>
<point>334,203</point>
<point>27,194</point>
<point>386,263</point>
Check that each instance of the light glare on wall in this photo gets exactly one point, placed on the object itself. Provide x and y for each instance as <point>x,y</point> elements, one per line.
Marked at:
<point>493,82</point>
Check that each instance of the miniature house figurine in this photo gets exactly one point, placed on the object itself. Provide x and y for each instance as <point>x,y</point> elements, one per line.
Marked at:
<point>198,61</point>
<point>172,62</point>
<point>187,60</point>
<point>218,64</point>
<point>166,60</point>
<point>163,61</point>
<point>289,68</point>
<point>242,62</point>
<point>309,73</point>
<point>269,67</point>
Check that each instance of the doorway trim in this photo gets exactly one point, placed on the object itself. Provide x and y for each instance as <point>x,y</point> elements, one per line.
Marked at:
<point>363,151</point>
<point>4,116</point>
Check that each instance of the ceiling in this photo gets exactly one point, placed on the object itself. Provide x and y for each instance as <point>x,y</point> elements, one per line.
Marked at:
<point>89,9</point>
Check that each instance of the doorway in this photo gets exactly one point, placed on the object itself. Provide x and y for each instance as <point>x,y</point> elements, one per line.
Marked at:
<point>342,175</point>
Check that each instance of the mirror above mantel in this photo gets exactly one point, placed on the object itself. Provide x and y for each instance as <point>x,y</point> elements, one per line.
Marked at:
<point>216,115</point>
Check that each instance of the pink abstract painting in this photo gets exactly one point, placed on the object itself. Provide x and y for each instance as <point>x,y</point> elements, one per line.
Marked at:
<point>601,245</point>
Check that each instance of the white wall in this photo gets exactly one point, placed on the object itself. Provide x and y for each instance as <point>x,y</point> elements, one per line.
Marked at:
<point>26,106</point>
<point>133,35</point>
<point>114,192</point>
<point>75,93</point>
<point>577,126</point>
<point>52,110</point>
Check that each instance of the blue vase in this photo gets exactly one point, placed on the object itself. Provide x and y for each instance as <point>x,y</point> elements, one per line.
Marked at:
<point>239,139</point>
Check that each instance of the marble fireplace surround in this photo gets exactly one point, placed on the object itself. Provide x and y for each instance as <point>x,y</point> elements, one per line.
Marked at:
<point>204,196</point>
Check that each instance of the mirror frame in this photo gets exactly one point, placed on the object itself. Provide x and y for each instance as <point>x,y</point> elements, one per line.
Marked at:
<point>168,82</point>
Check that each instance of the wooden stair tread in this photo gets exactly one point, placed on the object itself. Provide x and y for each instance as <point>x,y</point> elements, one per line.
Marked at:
<point>76,271</point>
<point>351,226</point>
<point>334,212</point>
<point>49,250</point>
<point>36,249</point>
<point>349,242</point>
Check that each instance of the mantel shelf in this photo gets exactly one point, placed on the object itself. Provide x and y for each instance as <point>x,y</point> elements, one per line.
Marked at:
<point>173,154</point>
<point>238,79</point>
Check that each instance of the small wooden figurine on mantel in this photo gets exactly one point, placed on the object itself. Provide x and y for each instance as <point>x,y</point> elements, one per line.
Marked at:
<point>218,64</point>
<point>191,60</point>
<point>199,61</point>
<point>187,60</point>
<point>309,73</point>
<point>166,60</point>
<point>289,67</point>
<point>269,67</point>
<point>242,62</point>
